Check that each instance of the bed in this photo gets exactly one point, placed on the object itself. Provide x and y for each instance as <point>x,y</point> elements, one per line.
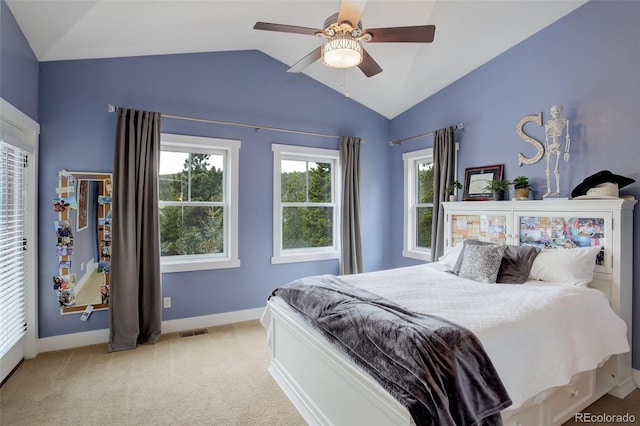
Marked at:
<point>557,337</point>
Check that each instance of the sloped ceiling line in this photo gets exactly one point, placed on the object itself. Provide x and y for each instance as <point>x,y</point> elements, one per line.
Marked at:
<point>468,34</point>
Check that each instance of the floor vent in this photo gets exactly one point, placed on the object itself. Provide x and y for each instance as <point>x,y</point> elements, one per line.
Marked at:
<point>194,333</point>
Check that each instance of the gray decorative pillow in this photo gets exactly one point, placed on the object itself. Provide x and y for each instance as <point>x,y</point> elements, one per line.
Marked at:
<point>465,243</point>
<point>516,264</point>
<point>481,263</point>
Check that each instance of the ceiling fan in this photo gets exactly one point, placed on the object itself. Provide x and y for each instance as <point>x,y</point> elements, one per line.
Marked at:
<point>344,34</point>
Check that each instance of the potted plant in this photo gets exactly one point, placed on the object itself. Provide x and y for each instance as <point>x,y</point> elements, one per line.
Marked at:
<point>497,188</point>
<point>521,187</point>
<point>452,188</point>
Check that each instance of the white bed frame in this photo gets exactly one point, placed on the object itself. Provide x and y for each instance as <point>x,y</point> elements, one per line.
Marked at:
<point>329,389</point>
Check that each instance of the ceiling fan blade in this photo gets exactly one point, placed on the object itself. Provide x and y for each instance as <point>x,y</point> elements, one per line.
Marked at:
<point>351,11</point>
<point>417,34</point>
<point>284,28</point>
<point>368,66</point>
<point>313,56</point>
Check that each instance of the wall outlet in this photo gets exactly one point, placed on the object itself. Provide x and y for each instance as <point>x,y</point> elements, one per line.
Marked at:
<point>167,302</point>
<point>82,266</point>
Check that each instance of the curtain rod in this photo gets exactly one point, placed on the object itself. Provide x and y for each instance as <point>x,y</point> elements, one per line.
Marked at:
<point>112,108</point>
<point>458,126</point>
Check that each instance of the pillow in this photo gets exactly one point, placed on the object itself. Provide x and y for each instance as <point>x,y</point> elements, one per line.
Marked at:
<point>451,256</point>
<point>481,262</point>
<point>439,266</point>
<point>456,268</point>
<point>516,264</point>
<point>571,266</point>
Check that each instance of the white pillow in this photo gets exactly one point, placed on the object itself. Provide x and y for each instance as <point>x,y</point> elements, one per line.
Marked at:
<point>571,266</point>
<point>450,257</point>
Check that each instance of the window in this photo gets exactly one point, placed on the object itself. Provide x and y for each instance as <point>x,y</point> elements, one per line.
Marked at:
<point>198,186</point>
<point>13,179</point>
<point>305,207</point>
<point>18,242</point>
<point>418,209</point>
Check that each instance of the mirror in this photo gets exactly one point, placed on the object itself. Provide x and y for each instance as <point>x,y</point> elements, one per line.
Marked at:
<point>83,231</point>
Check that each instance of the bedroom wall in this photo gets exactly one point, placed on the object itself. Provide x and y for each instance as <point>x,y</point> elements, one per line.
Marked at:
<point>589,61</point>
<point>77,133</point>
<point>18,66</point>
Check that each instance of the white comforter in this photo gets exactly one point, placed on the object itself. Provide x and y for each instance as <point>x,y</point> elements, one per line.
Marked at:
<point>538,335</point>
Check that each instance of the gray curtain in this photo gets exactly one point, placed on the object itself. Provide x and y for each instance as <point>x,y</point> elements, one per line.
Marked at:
<point>351,256</point>
<point>444,163</point>
<point>135,310</point>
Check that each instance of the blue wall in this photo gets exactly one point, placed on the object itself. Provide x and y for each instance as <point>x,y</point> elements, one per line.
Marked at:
<point>589,61</point>
<point>18,66</point>
<point>77,133</point>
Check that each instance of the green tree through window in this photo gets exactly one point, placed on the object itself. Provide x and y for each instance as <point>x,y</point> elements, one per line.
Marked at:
<point>424,205</point>
<point>192,205</point>
<point>418,204</point>
<point>307,213</point>
<point>306,203</point>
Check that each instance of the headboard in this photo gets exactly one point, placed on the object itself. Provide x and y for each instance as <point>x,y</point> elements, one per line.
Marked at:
<point>560,223</point>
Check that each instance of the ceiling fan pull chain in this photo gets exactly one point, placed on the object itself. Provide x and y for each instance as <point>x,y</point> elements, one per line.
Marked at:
<point>344,81</point>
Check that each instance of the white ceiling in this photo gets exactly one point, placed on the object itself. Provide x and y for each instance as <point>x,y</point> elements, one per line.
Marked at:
<point>468,34</point>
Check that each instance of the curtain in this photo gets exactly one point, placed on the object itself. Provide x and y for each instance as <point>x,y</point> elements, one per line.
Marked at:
<point>351,255</point>
<point>444,164</point>
<point>135,308</point>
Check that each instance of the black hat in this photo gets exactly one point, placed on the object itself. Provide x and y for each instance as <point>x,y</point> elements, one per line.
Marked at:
<point>603,176</point>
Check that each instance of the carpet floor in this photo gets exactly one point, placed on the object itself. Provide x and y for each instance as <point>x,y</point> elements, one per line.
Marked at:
<point>217,378</point>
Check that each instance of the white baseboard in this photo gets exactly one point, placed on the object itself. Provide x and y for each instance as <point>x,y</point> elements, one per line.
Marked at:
<point>636,377</point>
<point>75,340</point>
<point>211,320</point>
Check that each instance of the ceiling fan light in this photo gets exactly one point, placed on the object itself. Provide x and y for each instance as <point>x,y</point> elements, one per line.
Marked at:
<point>342,51</point>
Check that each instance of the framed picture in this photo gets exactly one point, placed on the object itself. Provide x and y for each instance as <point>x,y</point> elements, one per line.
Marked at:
<point>83,206</point>
<point>476,180</point>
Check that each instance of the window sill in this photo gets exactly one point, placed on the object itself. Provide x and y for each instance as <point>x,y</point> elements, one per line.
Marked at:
<point>304,257</point>
<point>198,265</point>
<point>418,255</point>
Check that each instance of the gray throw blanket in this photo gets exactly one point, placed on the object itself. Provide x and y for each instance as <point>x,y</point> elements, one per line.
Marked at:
<point>437,369</point>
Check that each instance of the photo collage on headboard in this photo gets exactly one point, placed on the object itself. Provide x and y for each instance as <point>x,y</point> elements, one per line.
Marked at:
<point>489,228</point>
<point>549,232</point>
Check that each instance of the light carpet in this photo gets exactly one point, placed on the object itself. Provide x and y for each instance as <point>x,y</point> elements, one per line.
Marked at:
<point>219,378</point>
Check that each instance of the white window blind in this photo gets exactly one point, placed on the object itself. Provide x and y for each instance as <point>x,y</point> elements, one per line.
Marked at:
<point>13,187</point>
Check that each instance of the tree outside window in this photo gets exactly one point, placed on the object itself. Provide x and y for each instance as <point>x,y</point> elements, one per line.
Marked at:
<point>418,204</point>
<point>192,208</point>
<point>424,204</point>
<point>305,206</point>
<point>198,203</point>
<point>307,211</point>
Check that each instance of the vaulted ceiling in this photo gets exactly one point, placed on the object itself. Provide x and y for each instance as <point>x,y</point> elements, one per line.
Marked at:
<point>468,34</point>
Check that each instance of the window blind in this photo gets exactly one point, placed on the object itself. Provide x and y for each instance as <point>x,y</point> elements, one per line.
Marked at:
<point>13,190</point>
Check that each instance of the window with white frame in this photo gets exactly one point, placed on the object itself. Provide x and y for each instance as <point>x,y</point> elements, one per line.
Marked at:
<point>198,191</point>
<point>306,204</point>
<point>418,203</point>
<point>18,242</point>
<point>13,271</point>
